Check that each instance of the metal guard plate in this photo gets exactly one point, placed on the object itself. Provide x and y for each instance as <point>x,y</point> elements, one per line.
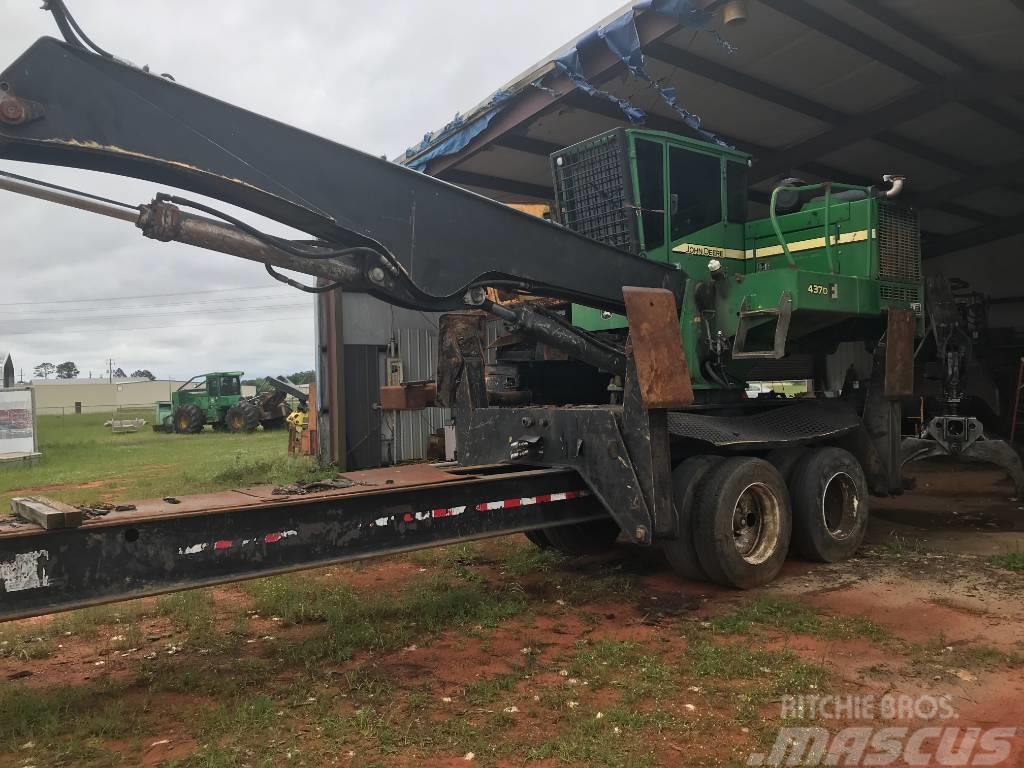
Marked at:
<point>787,425</point>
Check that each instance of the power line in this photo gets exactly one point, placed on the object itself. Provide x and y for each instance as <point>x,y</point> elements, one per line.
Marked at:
<point>146,296</point>
<point>160,327</point>
<point>19,315</point>
<point>265,307</point>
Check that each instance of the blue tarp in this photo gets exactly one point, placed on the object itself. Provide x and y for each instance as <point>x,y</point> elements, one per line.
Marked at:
<point>623,39</point>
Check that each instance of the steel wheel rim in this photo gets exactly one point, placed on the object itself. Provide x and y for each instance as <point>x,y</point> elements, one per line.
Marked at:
<point>756,523</point>
<point>840,506</point>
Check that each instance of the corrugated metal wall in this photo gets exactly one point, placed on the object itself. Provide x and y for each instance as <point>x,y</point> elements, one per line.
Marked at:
<point>417,348</point>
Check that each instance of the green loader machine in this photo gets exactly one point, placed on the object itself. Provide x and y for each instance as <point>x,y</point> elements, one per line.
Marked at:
<point>216,399</point>
<point>825,266</point>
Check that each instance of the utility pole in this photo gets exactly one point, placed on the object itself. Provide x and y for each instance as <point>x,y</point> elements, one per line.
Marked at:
<point>110,370</point>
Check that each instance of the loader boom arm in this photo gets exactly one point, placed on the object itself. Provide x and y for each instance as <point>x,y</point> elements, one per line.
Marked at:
<point>61,105</point>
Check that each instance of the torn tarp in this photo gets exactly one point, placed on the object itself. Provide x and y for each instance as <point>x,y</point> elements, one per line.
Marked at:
<point>623,39</point>
<point>456,135</point>
<point>572,68</point>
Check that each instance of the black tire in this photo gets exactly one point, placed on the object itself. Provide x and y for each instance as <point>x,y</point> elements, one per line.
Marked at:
<point>243,416</point>
<point>188,419</point>
<point>538,538</point>
<point>743,523</point>
<point>785,460</point>
<point>275,423</point>
<point>588,538</point>
<point>686,479</point>
<point>830,505</point>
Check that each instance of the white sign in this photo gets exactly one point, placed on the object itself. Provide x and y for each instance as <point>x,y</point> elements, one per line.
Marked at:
<point>17,434</point>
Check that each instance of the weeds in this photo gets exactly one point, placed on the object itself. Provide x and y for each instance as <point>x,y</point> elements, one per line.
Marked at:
<point>380,623</point>
<point>952,656</point>
<point>1010,561</point>
<point>83,712</point>
<point>623,665</point>
<point>793,617</point>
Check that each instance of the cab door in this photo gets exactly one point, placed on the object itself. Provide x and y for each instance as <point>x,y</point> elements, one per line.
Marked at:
<point>649,171</point>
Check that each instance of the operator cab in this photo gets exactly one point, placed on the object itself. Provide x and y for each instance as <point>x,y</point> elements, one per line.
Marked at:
<point>654,194</point>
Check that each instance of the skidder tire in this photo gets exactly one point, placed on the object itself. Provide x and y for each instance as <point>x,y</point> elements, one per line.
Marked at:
<point>742,523</point>
<point>590,538</point>
<point>188,419</point>
<point>830,505</point>
<point>681,553</point>
<point>243,416</point>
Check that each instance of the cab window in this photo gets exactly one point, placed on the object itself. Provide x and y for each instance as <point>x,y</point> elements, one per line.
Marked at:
<point>695,189</point>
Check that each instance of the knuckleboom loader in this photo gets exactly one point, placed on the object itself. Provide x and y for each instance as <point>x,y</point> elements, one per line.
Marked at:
<point>662,298</point>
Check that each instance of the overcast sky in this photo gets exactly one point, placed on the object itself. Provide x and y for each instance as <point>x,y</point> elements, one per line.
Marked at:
<point>373,75</point>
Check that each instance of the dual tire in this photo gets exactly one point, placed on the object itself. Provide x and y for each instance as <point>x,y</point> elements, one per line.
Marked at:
<point>830,505</point>
<point>738,516</point>
<point>577,539</point>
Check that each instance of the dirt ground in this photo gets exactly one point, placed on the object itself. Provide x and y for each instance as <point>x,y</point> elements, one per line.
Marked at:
<point>498,654</point>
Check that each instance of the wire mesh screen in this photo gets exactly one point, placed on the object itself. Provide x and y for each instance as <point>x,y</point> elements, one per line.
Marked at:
<point>591,190</point>
<point>899,244</point>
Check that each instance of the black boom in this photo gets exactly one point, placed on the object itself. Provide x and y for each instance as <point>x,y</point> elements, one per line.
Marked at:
<point>63,105</point>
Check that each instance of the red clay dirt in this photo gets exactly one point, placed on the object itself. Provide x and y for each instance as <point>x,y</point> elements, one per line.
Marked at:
<point>952,625</point>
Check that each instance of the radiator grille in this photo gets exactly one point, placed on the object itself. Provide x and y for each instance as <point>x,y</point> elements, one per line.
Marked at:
<point>900,293</point>
<point>591,190</point>
<point>899,244</point>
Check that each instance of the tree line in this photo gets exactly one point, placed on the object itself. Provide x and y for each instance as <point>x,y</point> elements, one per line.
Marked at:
<point>68,370</point>
<point>299,377</point>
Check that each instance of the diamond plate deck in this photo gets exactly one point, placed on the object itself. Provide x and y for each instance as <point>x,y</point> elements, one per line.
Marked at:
<point>786,425</point>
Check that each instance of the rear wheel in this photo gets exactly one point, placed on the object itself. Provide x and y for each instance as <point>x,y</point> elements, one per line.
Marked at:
<point>830,505</point>
<point>589,538</point>
<point>686,481</point>
<point>243,416</point>
<point>785,460</point>
<point>538,538</point>
<point>743,523</point>
<point>188,419</point>
<point>275,423</point>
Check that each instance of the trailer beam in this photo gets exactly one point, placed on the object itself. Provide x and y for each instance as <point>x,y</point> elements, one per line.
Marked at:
<point>221,538</point>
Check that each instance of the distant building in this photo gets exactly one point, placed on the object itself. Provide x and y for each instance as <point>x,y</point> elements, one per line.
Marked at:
<point>57,396</point>
<point>6,370</point>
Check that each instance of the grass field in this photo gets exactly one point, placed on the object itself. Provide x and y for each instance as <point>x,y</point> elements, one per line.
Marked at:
<point>490,653</point>
<point>83,462</point>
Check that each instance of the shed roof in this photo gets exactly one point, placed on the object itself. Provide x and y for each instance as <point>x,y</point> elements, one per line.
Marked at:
<point>821,89</point>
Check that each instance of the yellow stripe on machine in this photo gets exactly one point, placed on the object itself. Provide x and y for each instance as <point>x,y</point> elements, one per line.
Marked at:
<point>714,252</point>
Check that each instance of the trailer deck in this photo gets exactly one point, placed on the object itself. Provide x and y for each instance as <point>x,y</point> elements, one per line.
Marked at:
<point>163,545</point>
